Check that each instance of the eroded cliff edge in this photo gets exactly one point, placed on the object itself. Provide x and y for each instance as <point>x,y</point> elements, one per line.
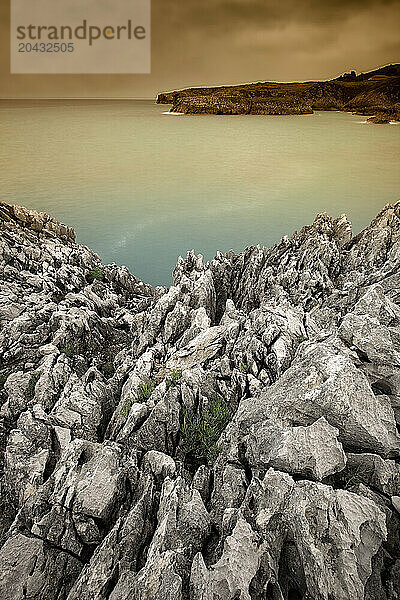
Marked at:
<point>107,491</point>
<point>374,93</point>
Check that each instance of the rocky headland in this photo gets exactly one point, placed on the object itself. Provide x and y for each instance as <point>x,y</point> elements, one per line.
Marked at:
<point>233,437</point>
<point>375,93</point>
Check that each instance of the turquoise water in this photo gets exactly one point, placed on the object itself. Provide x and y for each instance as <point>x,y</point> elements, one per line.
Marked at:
<point>141,187</point>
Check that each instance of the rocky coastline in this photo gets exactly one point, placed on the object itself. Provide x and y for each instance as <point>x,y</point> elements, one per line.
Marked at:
<point>374,93</point>
<point>235,436</point>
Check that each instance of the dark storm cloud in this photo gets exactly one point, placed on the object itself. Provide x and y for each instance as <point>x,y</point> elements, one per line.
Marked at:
<point>270,12</point>
<point>286,39</point>
<point>231,41</point>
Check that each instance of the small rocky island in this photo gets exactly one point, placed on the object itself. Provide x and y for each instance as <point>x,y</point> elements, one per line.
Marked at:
<point>235,436</point>
<point>374,93</point>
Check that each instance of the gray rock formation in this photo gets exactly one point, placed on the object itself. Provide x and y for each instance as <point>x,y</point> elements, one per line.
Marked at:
<point>233,437</point>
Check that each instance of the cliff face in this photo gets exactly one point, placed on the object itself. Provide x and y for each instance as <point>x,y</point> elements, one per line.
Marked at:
<point>375,93</point>
<point>114,484</point>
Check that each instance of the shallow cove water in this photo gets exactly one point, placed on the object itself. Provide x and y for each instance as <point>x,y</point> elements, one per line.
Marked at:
<point>141,187</point>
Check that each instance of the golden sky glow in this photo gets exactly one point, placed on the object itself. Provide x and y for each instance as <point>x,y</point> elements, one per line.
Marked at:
<point>233,41</point>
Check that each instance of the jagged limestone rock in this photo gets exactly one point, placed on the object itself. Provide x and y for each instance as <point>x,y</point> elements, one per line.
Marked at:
<point>327,528</point>
<point>231,576</point>
<point>102,379</point>
<point>312,451</point>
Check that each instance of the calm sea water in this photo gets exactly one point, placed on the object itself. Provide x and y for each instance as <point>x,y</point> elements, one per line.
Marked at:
<point>141,187</point>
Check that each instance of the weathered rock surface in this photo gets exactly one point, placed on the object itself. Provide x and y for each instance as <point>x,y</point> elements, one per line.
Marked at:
<point>235,436</point>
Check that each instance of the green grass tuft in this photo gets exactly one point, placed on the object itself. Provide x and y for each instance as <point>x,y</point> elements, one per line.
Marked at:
<point>68,350</point>
<point>201,431</point>
<point>144,392</point>
<point>127,407</point>
<point>173,378</point>
<point>95,274</point>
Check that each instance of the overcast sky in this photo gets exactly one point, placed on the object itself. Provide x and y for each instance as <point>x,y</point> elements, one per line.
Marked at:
<point>204,42</point>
